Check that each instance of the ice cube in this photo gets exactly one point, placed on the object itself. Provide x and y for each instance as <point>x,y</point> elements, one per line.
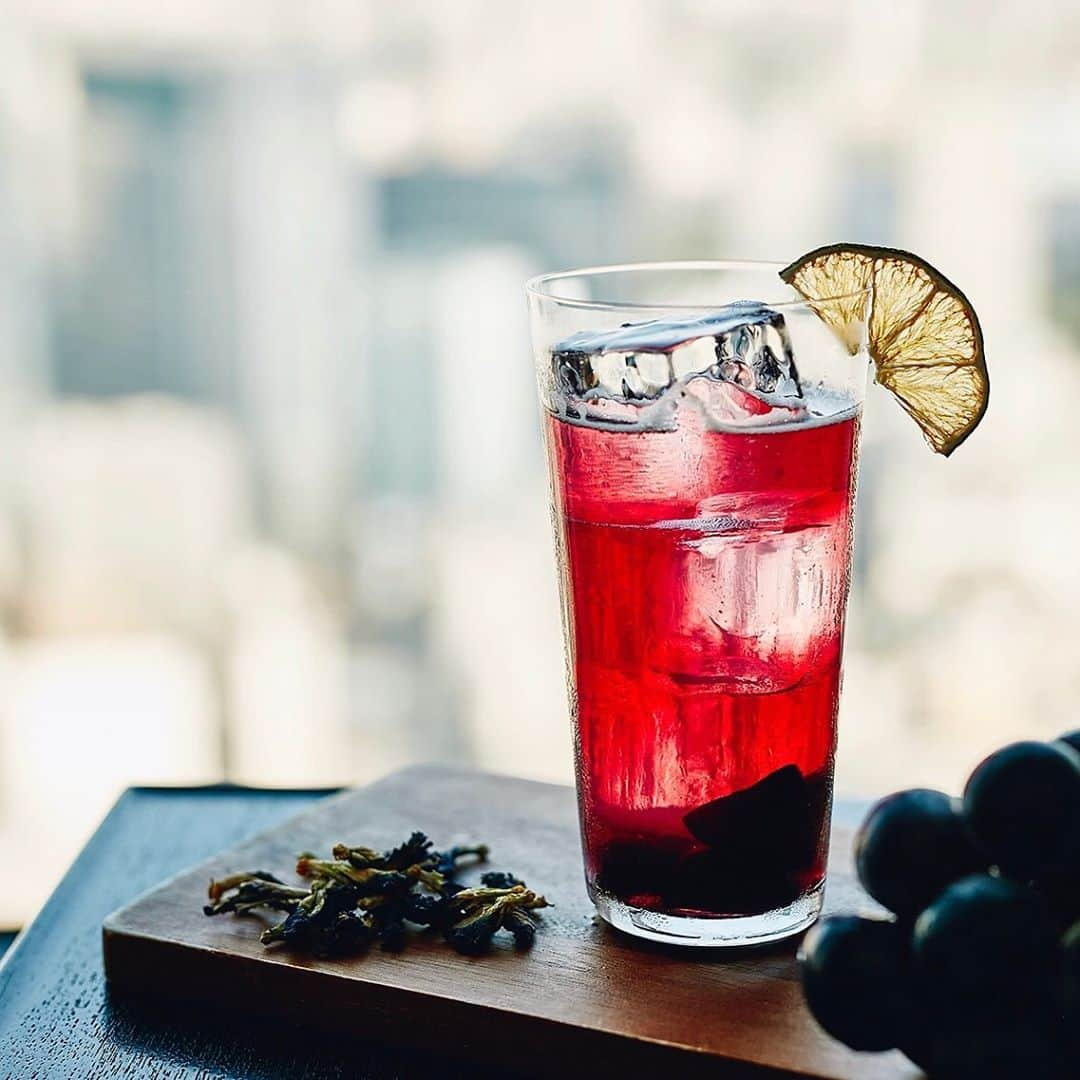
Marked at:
<point>745,344</point>
<point>756,354</point>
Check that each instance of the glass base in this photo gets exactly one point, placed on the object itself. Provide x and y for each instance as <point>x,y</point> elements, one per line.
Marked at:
<point>715,932</point>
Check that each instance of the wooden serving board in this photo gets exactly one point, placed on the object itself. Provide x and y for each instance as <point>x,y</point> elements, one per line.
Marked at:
<point>585,998</point>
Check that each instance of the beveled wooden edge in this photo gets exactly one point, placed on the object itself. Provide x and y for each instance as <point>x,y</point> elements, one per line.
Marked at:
<point>511,1039</point>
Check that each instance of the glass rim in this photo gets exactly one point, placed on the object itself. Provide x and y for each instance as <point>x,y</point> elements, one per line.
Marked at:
<point>538,286</point>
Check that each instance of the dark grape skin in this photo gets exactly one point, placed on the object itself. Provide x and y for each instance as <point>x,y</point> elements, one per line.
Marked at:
<point>911,846</point>
<point>1061,889</point>
<point>1071,738</point>
<point>1070,991</point>
<point>1012,1050</point>
<point>1061,885</point>
<point>856,977</point>
<point>985,948</point>
<point>1070,948</point>
<point>1022,804</point>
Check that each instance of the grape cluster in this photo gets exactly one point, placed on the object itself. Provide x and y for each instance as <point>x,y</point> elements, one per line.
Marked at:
<point>978,973</point>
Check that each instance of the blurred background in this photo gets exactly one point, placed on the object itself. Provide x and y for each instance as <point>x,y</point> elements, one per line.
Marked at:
<point>272,496</point>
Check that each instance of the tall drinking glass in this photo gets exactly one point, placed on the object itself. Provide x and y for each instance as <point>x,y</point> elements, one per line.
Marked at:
<point>702,427</point>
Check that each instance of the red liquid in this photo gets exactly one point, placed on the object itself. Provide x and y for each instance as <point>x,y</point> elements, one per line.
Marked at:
<point>705,579</point>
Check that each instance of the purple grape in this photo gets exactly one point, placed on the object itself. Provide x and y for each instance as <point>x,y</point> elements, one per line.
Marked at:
<point>856,975</point>
<point>1023,806</point>
<point>985,948</point>
<point>911,846</point>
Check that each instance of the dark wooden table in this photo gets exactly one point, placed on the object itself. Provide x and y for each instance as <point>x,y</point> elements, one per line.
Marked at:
<point>56,1019</point>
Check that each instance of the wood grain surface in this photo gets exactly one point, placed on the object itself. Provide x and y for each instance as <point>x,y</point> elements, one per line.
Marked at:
<point>586,998</point>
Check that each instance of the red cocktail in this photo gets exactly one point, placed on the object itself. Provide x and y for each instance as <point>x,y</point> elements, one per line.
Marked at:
<point>704,534</point>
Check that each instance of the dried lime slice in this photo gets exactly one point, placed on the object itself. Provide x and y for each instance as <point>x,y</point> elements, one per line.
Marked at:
<point>923,334</point>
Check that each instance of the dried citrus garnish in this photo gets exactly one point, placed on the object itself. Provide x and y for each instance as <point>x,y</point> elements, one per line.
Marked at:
<point>922,332</point>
